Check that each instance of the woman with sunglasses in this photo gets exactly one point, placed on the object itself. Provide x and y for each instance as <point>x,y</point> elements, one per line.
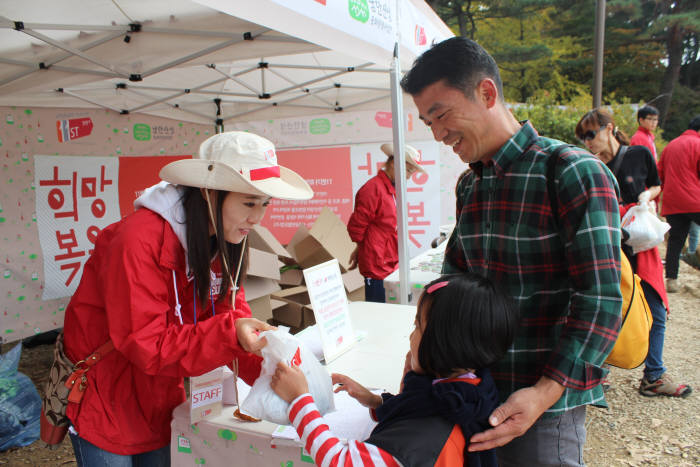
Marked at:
<point>163,286</point>
<point>635,170</point>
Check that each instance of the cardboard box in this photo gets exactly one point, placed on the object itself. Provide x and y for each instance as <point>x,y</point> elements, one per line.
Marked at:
<point>263,264</point>
<point>261,307</point>
<point>327,239</point>
<point>297,294</point>
<point>262,239</point>
<point>296,311</point>
<point>294,315</point>
<point>354,285</point>
<point>301,233</point>
<point>292,277</point>
<point>256,287</point>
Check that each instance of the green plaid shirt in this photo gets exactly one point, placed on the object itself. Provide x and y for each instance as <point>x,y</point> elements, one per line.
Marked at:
<point>566,282</point>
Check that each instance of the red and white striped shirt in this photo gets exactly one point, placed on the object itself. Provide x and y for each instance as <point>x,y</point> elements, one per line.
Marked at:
<point>326,449</point>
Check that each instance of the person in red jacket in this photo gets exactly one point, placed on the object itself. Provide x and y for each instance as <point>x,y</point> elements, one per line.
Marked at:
<point>162,285</point>
<point>648,120</point>
<point>635,170</point>
<point>464,323</point>
<point>373,224</point>
<point>679,169</point>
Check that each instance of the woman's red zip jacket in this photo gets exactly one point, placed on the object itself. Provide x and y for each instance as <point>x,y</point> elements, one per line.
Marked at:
<point>127,294</point>
<point>372,226</point>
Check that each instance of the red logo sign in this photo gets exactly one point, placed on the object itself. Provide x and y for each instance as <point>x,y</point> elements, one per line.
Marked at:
<point>383,119</point>
<point>420,35</point>
<point>296,359</point>
<point>74,128</point>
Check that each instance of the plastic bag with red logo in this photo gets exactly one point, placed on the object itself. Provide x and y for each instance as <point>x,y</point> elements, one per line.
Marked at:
<point>262,402</point>
<point>645,229</point>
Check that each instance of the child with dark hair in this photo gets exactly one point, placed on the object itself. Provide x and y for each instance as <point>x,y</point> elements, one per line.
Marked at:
<point>463,325</point>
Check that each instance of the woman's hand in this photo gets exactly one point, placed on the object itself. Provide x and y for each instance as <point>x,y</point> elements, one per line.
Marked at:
<point>357,391</point>
<point>289,382</point>
<point>247,330</point>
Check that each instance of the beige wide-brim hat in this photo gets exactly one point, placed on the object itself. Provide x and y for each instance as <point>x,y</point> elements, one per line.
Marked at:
<point>412,155</point>
<point>241,162</point>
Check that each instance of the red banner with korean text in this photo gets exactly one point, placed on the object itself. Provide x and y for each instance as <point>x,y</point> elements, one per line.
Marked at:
<point>77,197</point>
<point>136,173</point>
<point>327,171</point>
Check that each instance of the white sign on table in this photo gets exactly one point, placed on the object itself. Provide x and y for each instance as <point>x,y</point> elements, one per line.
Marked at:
<point>330,304</point>
<point>206,393</point>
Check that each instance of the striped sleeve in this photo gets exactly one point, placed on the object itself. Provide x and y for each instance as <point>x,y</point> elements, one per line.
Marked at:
<point>326,449</point>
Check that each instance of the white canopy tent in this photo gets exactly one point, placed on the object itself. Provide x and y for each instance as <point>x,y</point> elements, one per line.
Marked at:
<point>215,61</point>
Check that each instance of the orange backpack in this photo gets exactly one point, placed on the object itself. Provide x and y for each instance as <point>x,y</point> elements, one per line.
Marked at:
<point>632,344</point>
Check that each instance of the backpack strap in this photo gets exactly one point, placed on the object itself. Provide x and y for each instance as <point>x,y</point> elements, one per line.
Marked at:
<point>554,203</point>
<point>618,159</point>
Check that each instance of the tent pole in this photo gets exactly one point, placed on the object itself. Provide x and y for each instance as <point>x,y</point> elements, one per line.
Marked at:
<point>400,177</point>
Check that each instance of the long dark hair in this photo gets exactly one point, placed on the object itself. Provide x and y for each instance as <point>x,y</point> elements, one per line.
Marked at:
<point>201,249</point>
<point>597,118</point>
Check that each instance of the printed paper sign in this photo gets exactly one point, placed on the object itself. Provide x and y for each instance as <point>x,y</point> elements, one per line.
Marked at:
<point>206,393</point>
<point>330,304</point>
<point>76,197</point>
<point>326,170</point>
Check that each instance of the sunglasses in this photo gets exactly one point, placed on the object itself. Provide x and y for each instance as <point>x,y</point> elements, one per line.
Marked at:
<point>591,134</point>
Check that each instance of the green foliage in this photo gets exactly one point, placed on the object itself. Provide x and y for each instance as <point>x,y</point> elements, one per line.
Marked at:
<point>684,106</point>
<point>517,34</point>
<point>558,121</point>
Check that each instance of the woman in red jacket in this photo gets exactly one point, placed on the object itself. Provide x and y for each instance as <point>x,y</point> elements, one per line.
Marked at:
<point>162,286</point>
<point>373,224</point>
<point>635,170</point>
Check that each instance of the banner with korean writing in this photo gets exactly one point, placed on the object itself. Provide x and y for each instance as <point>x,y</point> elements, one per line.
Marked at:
<point>422,189</point>
<point>327,171</point>
<point>75,200</point>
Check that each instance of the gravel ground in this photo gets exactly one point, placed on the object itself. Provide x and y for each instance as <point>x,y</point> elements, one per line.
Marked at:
<point>634,431</point>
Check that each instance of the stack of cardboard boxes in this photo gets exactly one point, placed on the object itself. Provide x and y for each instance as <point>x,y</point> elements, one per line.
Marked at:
<point>281,297</point>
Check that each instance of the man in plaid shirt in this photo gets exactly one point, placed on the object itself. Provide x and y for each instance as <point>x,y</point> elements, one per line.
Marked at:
<point>564,274</point>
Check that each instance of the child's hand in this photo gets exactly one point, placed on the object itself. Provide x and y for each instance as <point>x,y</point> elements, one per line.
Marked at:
<point>288,382</point>
<point>357,391</point>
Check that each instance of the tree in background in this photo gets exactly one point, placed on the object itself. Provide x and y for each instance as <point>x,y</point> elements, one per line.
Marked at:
<point>544,49</point>
<point>672,24</point>
<point>518,33</point>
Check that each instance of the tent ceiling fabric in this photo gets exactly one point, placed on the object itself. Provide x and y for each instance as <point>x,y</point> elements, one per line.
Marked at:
<point>173,59</point>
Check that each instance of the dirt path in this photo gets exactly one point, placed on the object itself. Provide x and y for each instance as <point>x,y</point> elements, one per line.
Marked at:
<point>633,431</point>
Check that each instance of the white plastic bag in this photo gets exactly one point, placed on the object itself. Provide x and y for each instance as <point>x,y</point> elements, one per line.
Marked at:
<point>645,229</point>
<point>262,402</point>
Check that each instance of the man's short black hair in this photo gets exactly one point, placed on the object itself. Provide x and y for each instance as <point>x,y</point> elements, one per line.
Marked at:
<point>461,62</point>
<point>469,324</point>
<point>694,123</point>
<point>646,110</point>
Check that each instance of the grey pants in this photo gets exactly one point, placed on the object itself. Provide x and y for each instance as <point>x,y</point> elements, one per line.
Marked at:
<point>555,441</point>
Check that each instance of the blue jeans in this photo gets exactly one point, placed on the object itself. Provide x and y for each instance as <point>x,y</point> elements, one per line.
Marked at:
<point>89,455</point>
<point>553,441</point>
<point>654,364</point>
<point>374,290</point>
<point>693,235</point>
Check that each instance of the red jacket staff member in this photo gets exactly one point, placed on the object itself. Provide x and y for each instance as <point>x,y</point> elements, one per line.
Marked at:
<point>373,226</point>
<point>159,285</point>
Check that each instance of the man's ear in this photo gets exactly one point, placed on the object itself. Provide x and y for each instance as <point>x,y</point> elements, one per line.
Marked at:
<point>487,92</point>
